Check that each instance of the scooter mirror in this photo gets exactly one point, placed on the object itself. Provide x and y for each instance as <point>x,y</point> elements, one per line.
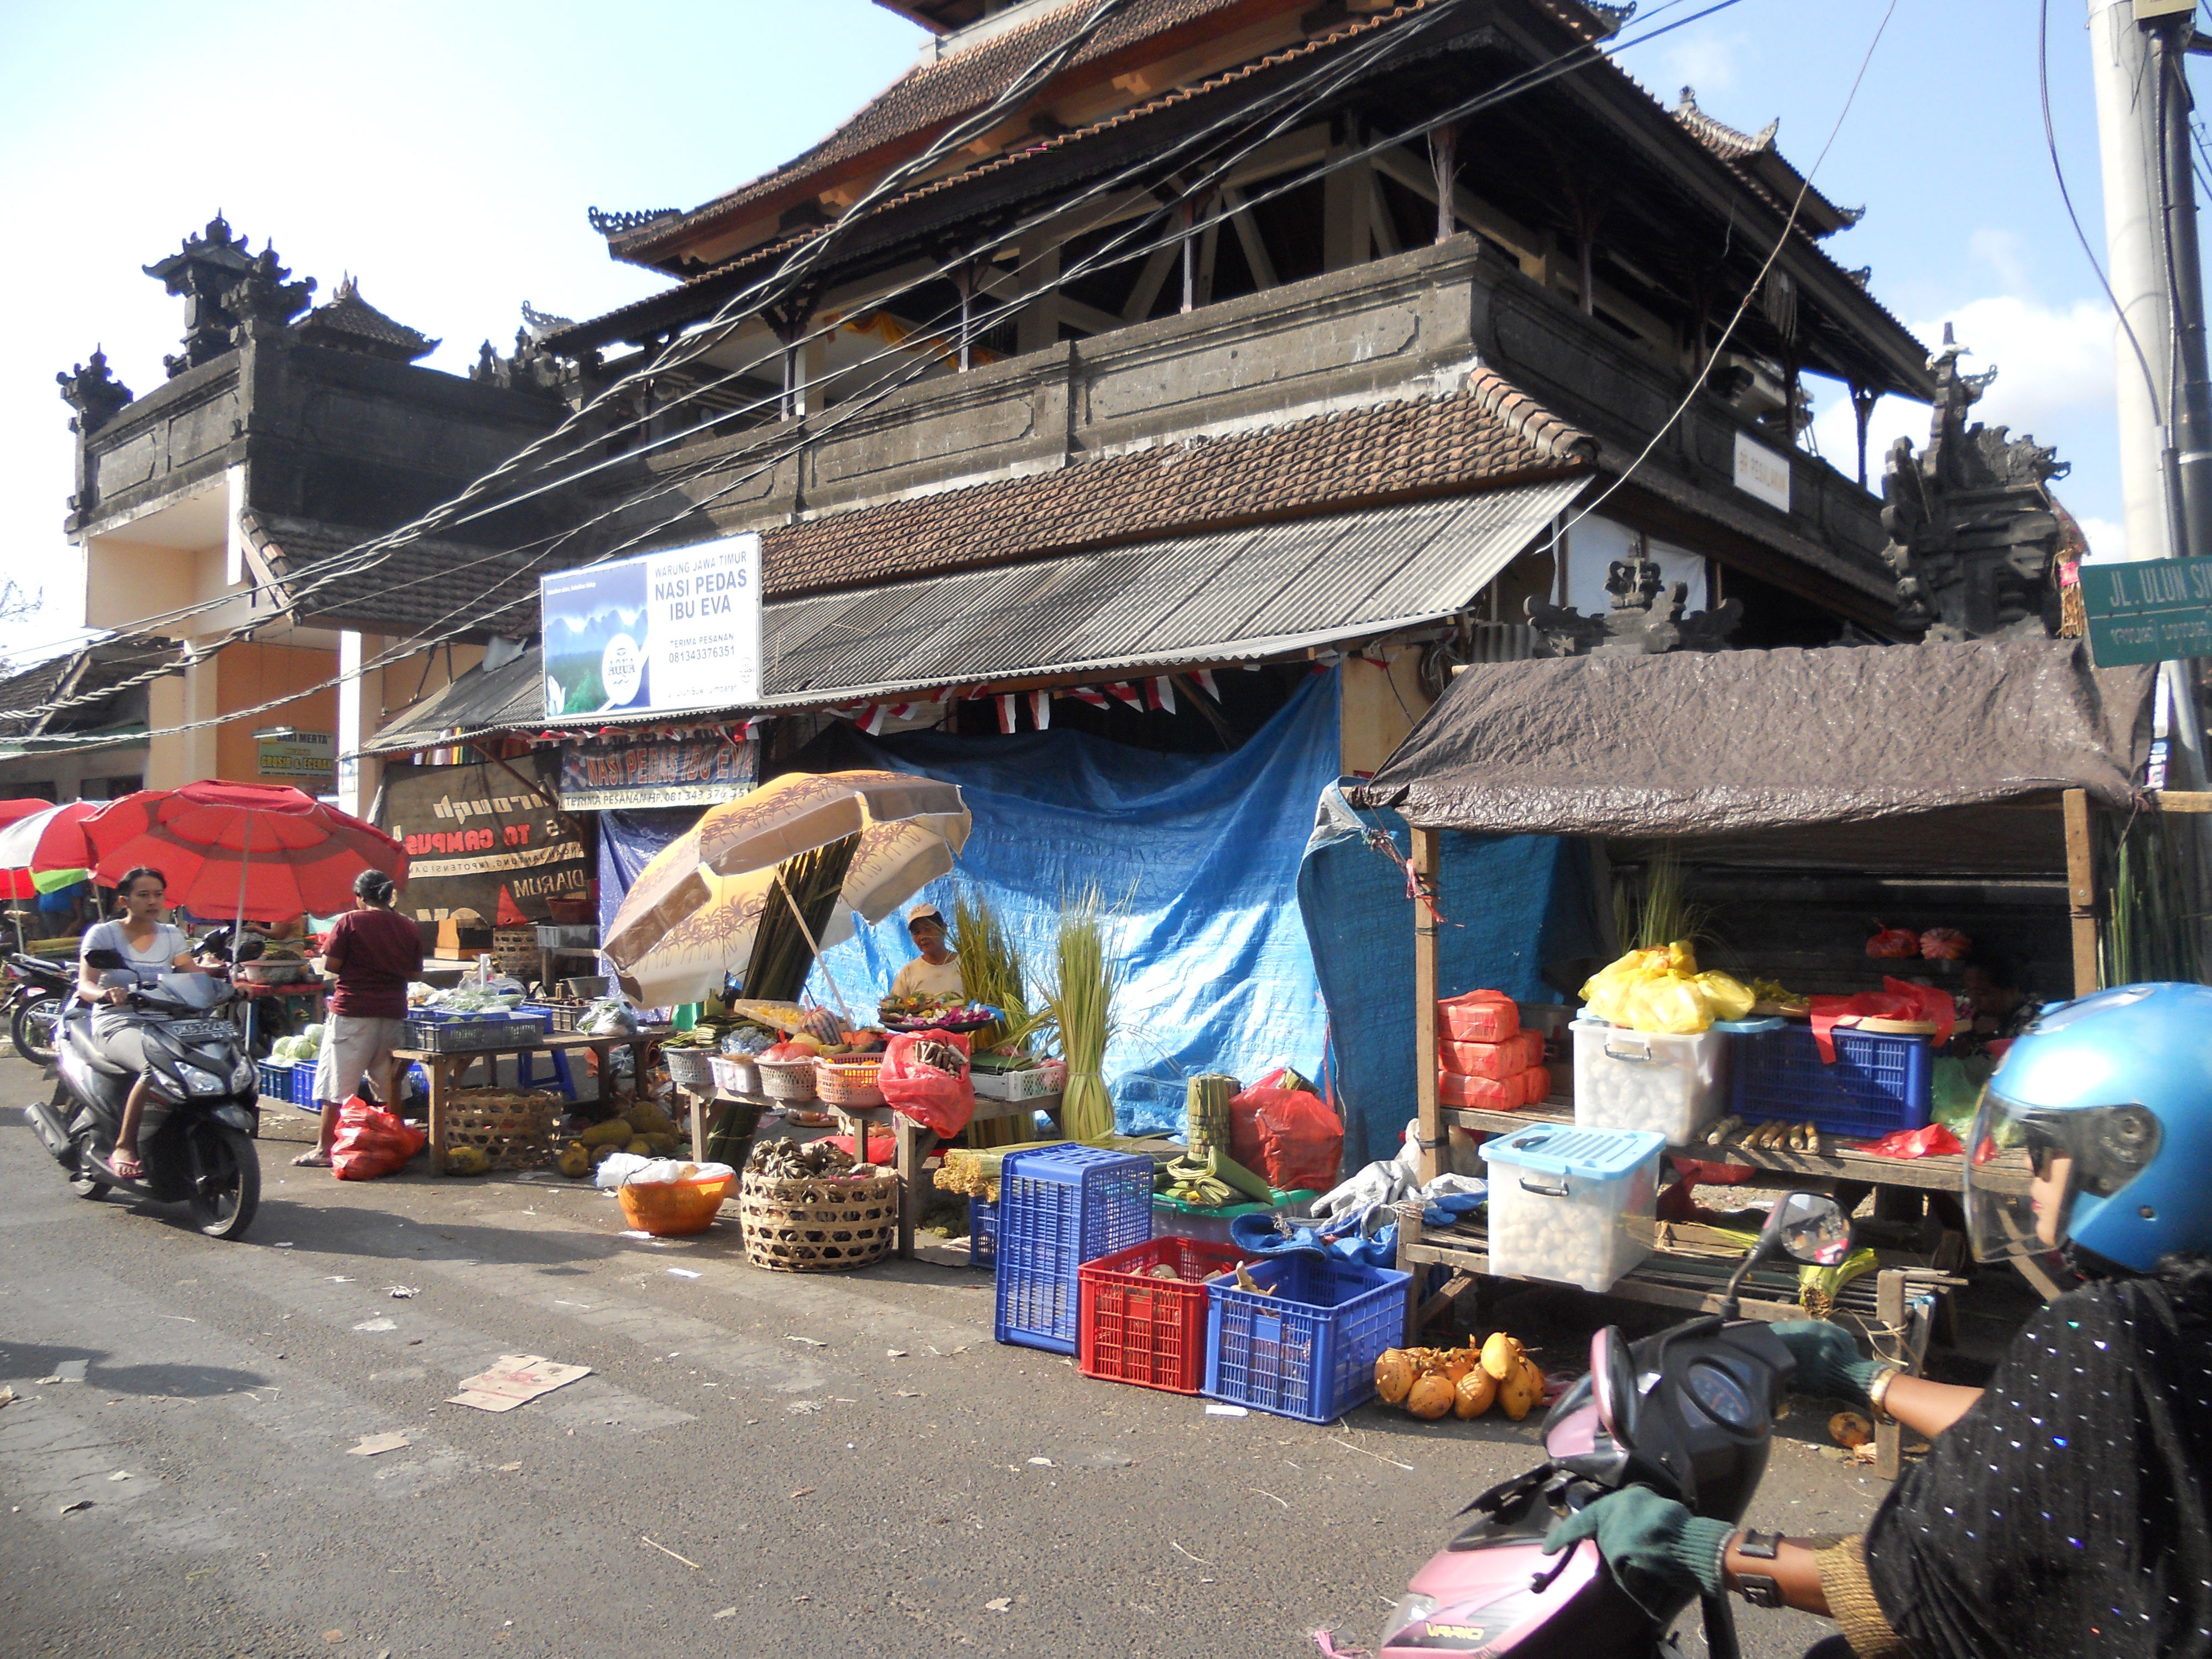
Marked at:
<point>1811,1229</point>
<point>251,951</point>
<point>1612,1384</point>
<point>104,961</point>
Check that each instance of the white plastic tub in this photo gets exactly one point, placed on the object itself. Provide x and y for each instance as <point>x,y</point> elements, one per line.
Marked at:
<point>1671,1087</point>
<point>1571,1204</point>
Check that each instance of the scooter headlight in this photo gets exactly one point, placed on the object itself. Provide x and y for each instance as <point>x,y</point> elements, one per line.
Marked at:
<point>1411,1609</point>
<point>200,1080</point>
<point>242,1074</point>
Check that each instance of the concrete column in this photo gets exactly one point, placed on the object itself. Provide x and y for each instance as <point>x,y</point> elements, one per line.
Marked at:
<point>361,710</point>
<point>165,755</point>
<point>1036,325</point>
<point>813,372</point>
<point>1347,223</point>
<point>198,753</point>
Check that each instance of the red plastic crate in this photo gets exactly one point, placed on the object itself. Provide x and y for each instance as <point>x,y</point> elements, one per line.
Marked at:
<point>1150,1332</point>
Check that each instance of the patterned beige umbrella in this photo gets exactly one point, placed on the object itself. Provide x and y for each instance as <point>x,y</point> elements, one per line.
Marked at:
<point>692,911</point>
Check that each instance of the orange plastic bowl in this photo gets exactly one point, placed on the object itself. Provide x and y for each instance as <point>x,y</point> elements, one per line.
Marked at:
<point>669,1209</point>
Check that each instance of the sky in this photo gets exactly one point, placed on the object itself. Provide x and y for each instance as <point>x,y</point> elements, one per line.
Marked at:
<point>445,155</point>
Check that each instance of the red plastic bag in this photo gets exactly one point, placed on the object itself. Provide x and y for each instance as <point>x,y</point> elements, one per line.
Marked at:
<point>939,1100</point>
<point>1498,1060</point>
<point>1478,1017</point>
<point>1898,999</point>
<point>1287,1135</point>
<point>1536,1085</point>
<point>1486,1094</point>
<point>371,1142</point>
<point>1934,1141</point>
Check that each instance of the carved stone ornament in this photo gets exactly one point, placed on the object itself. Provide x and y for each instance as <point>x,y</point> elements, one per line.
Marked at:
<point>94,393</point>
<point>1973,528</point>
<point>532,367</point>
<point>1635,625</point>
<point>223,288</point>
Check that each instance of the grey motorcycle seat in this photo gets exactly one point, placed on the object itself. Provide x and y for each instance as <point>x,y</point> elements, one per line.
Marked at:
<point>81,1021</point>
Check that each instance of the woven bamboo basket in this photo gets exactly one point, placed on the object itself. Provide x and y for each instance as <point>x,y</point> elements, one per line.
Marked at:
<point>688,1067</point>
<point>513,1132</point>
<point>788,1079</point>
<point>848,1083</point>
<point>820,1225</point>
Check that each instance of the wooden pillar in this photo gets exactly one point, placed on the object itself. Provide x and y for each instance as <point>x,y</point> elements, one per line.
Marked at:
<point>2082,889</point>
<point>1426,862</point>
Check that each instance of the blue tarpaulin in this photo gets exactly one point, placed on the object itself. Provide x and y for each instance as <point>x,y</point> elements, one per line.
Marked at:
<point>1510,904</point>
<point>1198,857</point>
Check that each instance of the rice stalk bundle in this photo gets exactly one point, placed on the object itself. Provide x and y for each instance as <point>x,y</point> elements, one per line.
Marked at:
<point>1081,1004</point>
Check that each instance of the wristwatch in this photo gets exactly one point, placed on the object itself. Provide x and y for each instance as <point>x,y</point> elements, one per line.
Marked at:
<point>1757,1587</point>
<point>1878,1392</point>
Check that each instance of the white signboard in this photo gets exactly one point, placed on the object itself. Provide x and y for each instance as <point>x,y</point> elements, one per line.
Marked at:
<point>675,631</point>
<point>1762,473</point>
<point>306,760</point>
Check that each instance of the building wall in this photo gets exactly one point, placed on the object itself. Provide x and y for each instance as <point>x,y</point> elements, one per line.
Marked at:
<point>250,674</point>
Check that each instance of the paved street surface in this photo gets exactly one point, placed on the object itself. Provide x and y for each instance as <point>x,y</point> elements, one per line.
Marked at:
<point>759,1464</point>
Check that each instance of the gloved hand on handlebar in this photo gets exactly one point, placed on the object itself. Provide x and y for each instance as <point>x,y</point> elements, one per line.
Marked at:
<point>1652,1543</point>
<point>1828,1362</point>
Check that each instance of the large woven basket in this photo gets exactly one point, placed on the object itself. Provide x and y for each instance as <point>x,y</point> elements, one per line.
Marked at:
<point>818,1225</point>
<point>788,1079</point>
<point>848,1083</point>
<point>689,1068</point>
<point>513,1135</point>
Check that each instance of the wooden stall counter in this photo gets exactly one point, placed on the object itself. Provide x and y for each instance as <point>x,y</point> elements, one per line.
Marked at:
<point>445,1071</point>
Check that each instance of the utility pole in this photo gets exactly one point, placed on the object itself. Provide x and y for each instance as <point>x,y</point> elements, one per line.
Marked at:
<point>2136,50</point>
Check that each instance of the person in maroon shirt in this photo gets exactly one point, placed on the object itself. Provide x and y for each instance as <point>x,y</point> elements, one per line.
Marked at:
<point>374,952</point>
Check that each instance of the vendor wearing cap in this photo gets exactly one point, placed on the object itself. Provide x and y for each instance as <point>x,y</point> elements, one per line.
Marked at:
<point>936,971</point>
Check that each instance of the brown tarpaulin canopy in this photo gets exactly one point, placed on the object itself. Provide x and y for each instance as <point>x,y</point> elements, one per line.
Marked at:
<point>1715,746</point>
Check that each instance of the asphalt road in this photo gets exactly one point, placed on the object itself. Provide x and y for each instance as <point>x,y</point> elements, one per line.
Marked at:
<point>758,1464</point>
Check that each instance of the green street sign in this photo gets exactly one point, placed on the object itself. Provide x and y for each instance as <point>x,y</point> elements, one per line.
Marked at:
<point>2147,610</point>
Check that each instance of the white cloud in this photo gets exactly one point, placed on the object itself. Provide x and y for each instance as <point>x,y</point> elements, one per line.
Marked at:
<point>2054,363</point>
<point>1713,63</point>
<point>2106,539</point>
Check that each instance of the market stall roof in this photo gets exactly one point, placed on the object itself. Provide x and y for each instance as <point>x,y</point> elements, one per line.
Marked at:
<point>1232,596</point>
<point>1772,742</point>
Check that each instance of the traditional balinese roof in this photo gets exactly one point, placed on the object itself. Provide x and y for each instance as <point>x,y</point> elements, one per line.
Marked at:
<point>1488,434</point>
<point>1754,158</point>
<point>426,585</point>
<point>27,696</point>
<point>350,323</point>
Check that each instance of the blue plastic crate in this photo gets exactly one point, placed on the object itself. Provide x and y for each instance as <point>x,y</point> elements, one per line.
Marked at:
<point>1060,1207</point>
<point>292,1081</point>
<point>1308,1349</point>
<point>1879,1082</point>
<point>982,1231</point>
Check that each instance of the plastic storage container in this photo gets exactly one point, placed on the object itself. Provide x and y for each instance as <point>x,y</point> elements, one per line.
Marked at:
<point>982,1231</point>
<point>1879,1082</point>
<point>1669,1085</point>
<point>1571,1204</point>
<point>1149,1331</point>
<point>1308,1349</point>
<point>289,1080</point>
<point>1060,1207</point>
<point>1172,1219</point>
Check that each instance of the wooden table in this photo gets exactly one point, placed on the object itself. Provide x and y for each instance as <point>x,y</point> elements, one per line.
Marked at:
<point>444,1072</point>
<point>911,1142</point>
<point>1896,1304</point>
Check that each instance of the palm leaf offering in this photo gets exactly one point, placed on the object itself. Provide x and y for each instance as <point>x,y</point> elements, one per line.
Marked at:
<point>1656,910</point>
<point>781,957</point>
<point>991,974</point>
<point>2151,934</point>
<point>1081,1004</point>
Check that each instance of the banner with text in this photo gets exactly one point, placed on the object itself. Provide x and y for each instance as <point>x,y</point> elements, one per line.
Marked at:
<point>667,631</point>
<point>679,772</point>
<point>473,832</point>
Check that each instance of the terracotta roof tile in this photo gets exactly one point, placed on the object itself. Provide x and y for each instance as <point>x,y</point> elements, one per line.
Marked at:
<point>1483,436</point>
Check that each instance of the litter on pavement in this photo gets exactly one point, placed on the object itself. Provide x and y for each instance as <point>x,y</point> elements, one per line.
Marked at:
<point>514,1380</point>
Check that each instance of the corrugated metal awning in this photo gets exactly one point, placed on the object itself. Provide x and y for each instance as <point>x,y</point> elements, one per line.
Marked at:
<point>1230,596</point>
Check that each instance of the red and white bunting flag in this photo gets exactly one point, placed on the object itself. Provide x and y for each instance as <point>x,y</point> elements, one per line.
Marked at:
<point>1089,694</point>
<point>872,722</point>
<point>1204,677</point>
<point>1125,692</point>
<point>1159,693</point>
<point>1007,714</point>
<point>1041,709</point>
<point>901,710</point>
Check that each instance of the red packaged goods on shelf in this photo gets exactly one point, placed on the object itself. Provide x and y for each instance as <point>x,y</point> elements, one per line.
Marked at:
<point>1482,1059</point>
<point>1532,1048</point>
<point>1487,1094</point>
<point>1478,1017</point>
<point>1537,1086</point>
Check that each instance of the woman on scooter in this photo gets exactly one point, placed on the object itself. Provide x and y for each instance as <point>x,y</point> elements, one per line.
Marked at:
<point>149,948</point>
<point>2067,1508</point>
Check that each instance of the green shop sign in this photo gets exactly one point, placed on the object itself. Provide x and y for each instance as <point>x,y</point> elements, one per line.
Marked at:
<point>2147,610</point>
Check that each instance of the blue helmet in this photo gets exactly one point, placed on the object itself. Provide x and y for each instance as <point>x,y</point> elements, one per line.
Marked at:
<point>2097,1130</point>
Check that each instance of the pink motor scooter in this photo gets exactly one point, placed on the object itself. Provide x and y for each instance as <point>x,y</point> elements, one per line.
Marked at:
<point>1688,1412</point>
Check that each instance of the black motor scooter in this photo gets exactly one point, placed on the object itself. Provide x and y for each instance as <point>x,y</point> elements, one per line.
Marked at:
<point>37,987</point>
<point>203,1106</point>
<point>1688,1412</point>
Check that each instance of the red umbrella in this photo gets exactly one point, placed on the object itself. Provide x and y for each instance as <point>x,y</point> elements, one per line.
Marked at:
<point>257,850</point>
<point>16,884</point>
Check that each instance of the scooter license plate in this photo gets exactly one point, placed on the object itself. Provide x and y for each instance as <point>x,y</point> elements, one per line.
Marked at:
<point>197,1030</point>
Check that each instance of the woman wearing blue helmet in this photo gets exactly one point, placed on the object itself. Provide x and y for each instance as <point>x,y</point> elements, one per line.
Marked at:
<point>2066,1509</point>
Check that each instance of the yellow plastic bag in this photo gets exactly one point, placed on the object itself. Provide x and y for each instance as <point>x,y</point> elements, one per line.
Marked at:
<point>1730,996</point>
<point>1670,1003</point>
<point>1605,991</point>
<point>1681,959</point>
